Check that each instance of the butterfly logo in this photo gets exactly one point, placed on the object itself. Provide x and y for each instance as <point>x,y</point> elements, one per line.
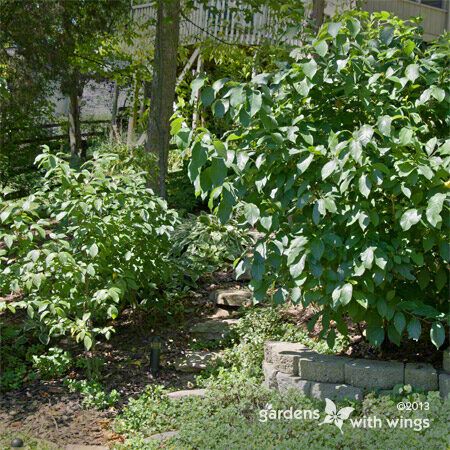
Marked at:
<point>335,416</point>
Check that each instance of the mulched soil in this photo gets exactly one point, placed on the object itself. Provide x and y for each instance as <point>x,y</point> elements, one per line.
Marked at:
<point>46,410</point>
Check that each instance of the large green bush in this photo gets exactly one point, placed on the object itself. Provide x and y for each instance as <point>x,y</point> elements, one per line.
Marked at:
<point>90,242</point>
<point>342,161</point>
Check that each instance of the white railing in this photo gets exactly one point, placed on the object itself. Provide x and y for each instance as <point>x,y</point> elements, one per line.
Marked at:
<point>227,24</point>
<point>230,25</point>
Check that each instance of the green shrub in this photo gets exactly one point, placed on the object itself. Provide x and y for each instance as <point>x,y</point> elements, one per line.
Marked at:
<point>53,364</point>
<point>89,243</point>
<point>16,352</point>
<point>202,244</point>
<point>93,393</point>
<point>342,161</point>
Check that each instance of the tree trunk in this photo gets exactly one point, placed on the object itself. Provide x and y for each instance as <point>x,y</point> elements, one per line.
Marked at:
<point>196,113</point>
<point>318,12</point>
<point>74,90</point>
<point>134,112</point>
<point>114,131</point>
<point>163,90</point>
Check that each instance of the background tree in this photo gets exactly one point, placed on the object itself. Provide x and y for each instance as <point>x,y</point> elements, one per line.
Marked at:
<point>61,40</point>
<point>163,89</point>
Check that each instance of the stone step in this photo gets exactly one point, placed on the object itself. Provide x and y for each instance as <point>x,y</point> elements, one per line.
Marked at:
<point>187,393</point>
<point>213,330</point>
<point>85,447</point>
<point>194,361</point>
<point>232,297</point>
<point>222,313</point>
<point>161,436</point>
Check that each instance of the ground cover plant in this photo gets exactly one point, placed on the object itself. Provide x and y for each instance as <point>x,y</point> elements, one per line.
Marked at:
<point>231,414</point>
<point>343,161</point>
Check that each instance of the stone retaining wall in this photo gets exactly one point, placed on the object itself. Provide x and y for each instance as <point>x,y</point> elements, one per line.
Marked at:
<point>290,365</point>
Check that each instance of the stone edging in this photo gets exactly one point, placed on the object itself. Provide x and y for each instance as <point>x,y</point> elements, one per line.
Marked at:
<point>291,365</point>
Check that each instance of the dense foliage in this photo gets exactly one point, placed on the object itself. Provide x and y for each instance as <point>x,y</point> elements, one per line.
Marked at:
<point>230,414</point>
<point>203,245</point>
<point>341,160</point>
<point>88,243</point>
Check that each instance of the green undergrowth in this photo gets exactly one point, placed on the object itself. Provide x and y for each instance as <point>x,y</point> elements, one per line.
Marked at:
<point>256,326</point>
<point>230,417</point>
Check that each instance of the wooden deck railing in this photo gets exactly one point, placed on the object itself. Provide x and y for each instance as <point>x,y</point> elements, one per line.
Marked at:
<point>230,26</point>
<point>226,24</point>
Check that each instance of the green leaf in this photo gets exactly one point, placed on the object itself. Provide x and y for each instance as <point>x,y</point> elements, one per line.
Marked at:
<point>317,248</point>
<point>367,257</point>
<point>393,335</point>
<point>409,47</point>
<point>296,269</point>
<point>409,218</point>
<point>251,213</point>
<point>346,294</point>
<point>303,165</point>
<point>93,250</point>
<point>414,329</point>
<point>384,125</point>
<point>399,322</point>
<point>375,335</point>
<point>219,109</point>
<point>255,102</point>
<point>387,35</point>
<point>365,185</point>
<point>9,240</point>
<point>197,84</point>
<point>112,312</point>
<point>321,48</point>
<point>296,294</point>
<point>434,208</point>
<point>331,338</point>
<point>365,134</point>
<point>405,136</point>
<point>333,28</point>
<point>412,72</point>
<point>309,68</point>
<point>198,159</point>
<point>437,93</point>
<point>437,334</point>
<point>207,96</point>
<point>328,168</point>
<point>354,26</point>
<point>87,342</point>
<point>218,171</point>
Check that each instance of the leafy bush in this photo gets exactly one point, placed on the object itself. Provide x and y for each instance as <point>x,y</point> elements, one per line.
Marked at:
<point>93,393</point>
<point>341,160</point>
<point>16,351</point>
<point>202,244</point>
<point>55,363</point>
<point>87,244</point>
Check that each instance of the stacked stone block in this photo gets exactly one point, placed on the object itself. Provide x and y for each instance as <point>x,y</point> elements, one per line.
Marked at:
<point>293,366</point>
